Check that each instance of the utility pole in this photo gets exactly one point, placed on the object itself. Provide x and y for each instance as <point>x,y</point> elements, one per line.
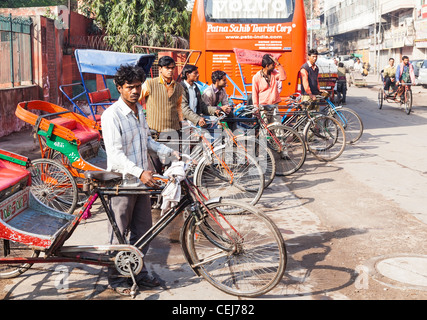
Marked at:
<point>375,37</point>
<point>311,24</point>
<point>379,37</point>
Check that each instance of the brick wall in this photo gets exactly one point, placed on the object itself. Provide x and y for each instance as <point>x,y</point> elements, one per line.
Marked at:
<point>51,67</point>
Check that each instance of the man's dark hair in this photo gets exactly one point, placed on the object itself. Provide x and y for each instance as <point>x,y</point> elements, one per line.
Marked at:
<point>217,75</point>
<point>164,61</point>
<point>405,57</point>
<point>189,68</point>
<point>313,51</point>
<point>266,60</point>
<point>128,74</point>
<point>340,64</point>
<point>391,59</point>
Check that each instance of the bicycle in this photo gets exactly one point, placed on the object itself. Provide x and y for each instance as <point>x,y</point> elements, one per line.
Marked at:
<point>250,145</point>
<point>324,136</point>
<point>221,170</point>
<point>288,146</point>
<point>348,118</point>
<point>224,170</point>
<point>236,248</point>
<point>405,97</point>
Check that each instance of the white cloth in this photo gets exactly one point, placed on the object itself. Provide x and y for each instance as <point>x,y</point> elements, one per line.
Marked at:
<point>171,194</point>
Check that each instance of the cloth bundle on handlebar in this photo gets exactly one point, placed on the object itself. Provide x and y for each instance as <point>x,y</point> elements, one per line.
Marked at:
<point>171,194</point>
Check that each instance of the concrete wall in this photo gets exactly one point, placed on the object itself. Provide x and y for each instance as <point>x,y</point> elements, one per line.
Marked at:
<point>9,99</point>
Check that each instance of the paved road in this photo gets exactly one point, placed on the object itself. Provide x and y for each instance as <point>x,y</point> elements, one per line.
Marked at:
<point>355,228</point>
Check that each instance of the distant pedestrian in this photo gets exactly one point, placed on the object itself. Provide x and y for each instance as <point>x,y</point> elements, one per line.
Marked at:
<point>358,66</point>
<point>342,83</point>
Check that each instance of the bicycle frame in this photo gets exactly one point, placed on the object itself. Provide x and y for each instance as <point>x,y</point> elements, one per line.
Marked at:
<point>57,253</point>
<point>261,124</point>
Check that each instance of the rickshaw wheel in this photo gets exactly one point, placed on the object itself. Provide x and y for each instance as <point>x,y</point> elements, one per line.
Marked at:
<point>15,250</point>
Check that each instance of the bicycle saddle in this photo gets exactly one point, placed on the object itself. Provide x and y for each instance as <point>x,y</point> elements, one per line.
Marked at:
<point>103,176</point>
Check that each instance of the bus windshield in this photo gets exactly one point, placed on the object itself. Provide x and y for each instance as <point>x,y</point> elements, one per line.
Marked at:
<point>249,11</point>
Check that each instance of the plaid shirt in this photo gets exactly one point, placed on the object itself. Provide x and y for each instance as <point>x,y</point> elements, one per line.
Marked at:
<point>126,141</point>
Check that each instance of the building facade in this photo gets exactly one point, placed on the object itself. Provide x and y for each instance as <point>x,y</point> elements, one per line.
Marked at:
<point>377,29</point>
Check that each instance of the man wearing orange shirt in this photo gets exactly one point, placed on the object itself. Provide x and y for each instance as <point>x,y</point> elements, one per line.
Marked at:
<point>267,83</point>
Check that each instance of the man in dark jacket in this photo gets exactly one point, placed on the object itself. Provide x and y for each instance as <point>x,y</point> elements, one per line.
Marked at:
<point>192,105</point>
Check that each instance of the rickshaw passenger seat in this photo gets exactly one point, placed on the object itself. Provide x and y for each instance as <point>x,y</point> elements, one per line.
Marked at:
<point>83,133</point>
<point>100,95</point>
<point>65,122</point>
<point>12,174</point>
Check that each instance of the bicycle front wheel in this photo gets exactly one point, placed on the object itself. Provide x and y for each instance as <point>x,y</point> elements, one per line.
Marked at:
<point>408,101</point>
<point>325,138</point>
<point>53,185</point>
<point>231,174</point>
<point>240,254</point>
<point>351,122</point>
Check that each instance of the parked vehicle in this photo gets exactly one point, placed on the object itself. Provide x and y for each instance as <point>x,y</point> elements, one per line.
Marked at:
<point>417,64</point>
<point>422,76</point>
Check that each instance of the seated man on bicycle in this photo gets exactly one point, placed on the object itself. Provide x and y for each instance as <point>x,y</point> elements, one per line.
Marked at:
<point>389,75</point>
<point>404,74</point>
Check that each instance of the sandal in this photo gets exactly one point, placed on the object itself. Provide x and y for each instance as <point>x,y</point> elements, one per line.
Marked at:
<point>121,289</point>
<point>147,280</point>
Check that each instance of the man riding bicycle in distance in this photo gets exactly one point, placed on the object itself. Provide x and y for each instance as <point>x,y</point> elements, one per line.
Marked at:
<point>404,74</point>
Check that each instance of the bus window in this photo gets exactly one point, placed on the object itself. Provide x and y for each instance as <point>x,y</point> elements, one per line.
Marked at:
<point>272,26</point>
<point>248,11</point>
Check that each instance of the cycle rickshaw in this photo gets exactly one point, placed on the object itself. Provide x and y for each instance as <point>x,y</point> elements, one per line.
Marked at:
<point>93,64</point>
<point>403,89</point>
<point>236,248</point>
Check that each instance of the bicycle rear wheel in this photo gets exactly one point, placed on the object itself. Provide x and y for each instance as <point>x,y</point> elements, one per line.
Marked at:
<point>293,153</point>
<point>13,249</point>
<point>325,138</point>
<point>241,178</point>
<point>351,122</point>
<point>53,185</point>
<point>240,254</point>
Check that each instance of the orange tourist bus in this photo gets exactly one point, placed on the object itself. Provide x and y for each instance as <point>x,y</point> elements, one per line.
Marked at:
<point>271,26</point>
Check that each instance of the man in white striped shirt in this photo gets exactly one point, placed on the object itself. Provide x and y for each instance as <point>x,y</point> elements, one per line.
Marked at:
<point>127,140</point>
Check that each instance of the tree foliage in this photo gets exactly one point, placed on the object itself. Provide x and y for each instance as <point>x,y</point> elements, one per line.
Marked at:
<point>143,22</point>
<point>31,3</point>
